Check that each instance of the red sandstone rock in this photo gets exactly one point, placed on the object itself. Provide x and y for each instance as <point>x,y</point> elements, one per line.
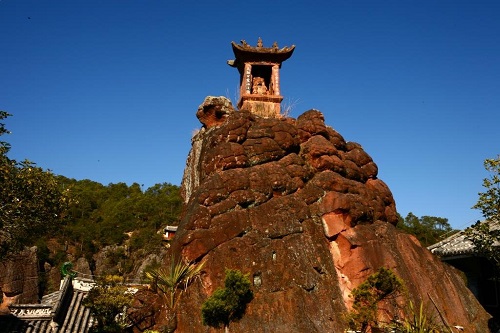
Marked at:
<point>145,307</point>
<point>301,211</point>
<point>214,110</point>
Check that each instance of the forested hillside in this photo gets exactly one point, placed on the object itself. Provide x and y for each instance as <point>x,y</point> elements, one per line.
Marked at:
<point>427,229</point>
<point>114,227</point>
<point>100,215</point>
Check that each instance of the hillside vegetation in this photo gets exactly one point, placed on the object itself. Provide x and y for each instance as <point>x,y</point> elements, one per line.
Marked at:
<point>68,219</point>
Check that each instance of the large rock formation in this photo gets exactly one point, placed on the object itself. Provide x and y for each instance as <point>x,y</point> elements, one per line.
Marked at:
<point>19,279</point>
<point>299,209</point>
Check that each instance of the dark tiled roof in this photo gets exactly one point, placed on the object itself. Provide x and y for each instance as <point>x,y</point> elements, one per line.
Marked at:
<point>458,244</point>
<point>12,324</point>
<point>61,311</point>
<point>78,317</point>
<point>51,298</point>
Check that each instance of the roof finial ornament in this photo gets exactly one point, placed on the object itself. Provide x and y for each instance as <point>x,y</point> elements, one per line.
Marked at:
<point>244,43</point>
<point>259,42</point>
<point>275,46</point>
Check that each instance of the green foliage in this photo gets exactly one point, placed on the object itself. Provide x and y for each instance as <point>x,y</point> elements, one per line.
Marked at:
<point>106,300</point>
<point>229,303</point>
<point>144,239</point>
<point>31,202</point>
<point>484,239</point>
<point>428,229</point>
<point>489,201</point>
<point>482,235</point>
<point>173,282</point>
<point>4,146</point>
<point>117,209</point>
<point>418,321</point>
<point>381,285</point>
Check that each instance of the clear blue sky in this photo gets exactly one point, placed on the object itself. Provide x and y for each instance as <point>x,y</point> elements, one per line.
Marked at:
<point>108,90</point>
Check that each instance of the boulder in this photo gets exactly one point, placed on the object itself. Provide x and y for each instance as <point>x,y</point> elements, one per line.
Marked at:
<point>301,211</point>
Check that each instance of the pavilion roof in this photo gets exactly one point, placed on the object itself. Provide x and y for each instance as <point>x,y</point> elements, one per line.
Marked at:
<point>246,53</point>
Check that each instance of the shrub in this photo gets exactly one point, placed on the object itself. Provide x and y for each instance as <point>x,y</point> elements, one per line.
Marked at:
<point>106,300</point>
<point>379,286</point>
<point>229,303</point>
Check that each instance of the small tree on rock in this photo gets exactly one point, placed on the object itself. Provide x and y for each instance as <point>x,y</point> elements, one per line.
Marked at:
<point>229,303</point>
<point>381,285</point>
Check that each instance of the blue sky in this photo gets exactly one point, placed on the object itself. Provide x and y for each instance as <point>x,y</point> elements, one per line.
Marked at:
<point>108,90</point>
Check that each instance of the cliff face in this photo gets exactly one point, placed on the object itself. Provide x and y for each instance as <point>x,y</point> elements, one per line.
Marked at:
<point>299,209</point>
<point>19,279</point>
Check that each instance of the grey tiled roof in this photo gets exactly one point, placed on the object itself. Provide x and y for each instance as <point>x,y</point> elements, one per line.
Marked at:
<point>61,311</point>
<point>458,244</point>
<point>78,317</point>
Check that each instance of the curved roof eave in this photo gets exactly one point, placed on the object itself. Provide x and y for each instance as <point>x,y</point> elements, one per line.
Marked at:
<point>270,54</point>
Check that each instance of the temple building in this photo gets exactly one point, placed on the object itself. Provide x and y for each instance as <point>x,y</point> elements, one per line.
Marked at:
<point>61,311</point>
<point>259,76</point>
<point>480,274</point>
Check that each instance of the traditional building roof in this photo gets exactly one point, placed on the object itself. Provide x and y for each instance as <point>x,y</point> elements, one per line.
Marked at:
<point>171,228</point>
<point>61,311</point>
<point>457,244</point>
<point>246,53</point>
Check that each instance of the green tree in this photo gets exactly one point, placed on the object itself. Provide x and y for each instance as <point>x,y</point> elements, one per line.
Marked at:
<point>483,235</point>
<point>116,209</point>
<point>164,202</point>
<point>428,229</point>
<point>381,285</point>
<point>229,303</point>
<point>106,301</point>
<point>489,201</point>
<point>31,202</point>
<point>4,146</point>
<point>118,215</point>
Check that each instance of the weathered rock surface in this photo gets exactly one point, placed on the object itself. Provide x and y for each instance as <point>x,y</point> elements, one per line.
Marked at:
<point>112,259</point>
<point>214,110</point>
<point>300,210</point>
<point>19,279</point>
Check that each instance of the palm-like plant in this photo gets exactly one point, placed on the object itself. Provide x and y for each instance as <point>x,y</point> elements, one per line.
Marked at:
<point>173,282</point>
<point>417,321</point>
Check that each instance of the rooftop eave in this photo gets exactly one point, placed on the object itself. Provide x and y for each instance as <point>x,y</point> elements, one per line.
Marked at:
<point>245,52</point>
